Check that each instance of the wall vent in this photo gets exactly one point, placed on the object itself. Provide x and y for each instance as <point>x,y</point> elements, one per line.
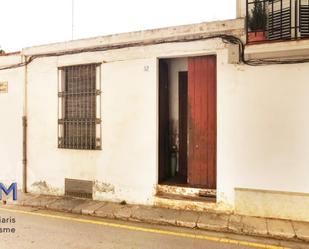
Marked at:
<point>78,188</point>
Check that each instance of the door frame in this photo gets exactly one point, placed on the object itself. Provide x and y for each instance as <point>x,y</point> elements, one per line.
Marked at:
<point>213,191</point>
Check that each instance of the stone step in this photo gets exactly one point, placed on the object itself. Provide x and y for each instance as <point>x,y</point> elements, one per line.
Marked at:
<point>186,191</point>
<point>181,202</point>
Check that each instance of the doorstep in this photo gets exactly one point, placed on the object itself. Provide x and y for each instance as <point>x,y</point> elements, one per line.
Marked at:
<point>185,198</point>
<point>239,224</point>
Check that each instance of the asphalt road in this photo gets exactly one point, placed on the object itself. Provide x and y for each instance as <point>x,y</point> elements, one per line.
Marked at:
<point>45,229</point>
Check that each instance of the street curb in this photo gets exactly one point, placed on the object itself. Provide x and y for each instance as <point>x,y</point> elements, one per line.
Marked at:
<point>130,213</point>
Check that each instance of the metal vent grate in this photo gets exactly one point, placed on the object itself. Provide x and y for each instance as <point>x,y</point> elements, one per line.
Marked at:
<point>78,188</point>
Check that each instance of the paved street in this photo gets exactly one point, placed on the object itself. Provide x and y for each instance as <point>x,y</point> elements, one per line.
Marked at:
<point>39,229</point>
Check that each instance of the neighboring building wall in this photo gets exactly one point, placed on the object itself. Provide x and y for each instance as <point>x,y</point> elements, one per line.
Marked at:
<point>263,139</point>
<point>11,112</point>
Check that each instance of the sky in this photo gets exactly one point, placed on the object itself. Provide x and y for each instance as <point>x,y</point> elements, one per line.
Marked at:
<point>26,23</point>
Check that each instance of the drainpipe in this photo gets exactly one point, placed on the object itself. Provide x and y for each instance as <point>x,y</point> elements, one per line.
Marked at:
<point>24,171</point>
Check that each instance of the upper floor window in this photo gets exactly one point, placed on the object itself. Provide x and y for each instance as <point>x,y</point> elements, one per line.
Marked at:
<point>79,121</point>
<point>277,20</point>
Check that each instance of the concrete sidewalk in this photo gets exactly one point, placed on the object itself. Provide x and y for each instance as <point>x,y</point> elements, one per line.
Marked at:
<point>273,228</point>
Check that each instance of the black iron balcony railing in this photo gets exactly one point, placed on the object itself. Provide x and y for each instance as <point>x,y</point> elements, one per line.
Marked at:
<point>269,20</point>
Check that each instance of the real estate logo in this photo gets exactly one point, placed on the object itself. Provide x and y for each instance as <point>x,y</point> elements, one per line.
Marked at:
<point>7,191</point>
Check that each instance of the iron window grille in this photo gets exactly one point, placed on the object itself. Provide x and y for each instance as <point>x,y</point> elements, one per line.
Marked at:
<point>268,20</point>
<point>79,107</point>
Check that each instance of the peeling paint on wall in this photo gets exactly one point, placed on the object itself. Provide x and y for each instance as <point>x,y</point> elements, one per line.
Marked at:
<point>223,204</point>
<point>42,187</point>
<point>103,187</point>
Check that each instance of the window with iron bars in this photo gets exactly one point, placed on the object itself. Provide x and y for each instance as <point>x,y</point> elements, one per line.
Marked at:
<point>79,113</point>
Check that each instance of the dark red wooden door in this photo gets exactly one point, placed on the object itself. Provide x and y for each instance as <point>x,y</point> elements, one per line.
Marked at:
<point>202,121</point>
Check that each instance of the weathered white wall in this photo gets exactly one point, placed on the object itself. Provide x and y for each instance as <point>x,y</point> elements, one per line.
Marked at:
<point>263,117</point>
<point>11,112</point>
<point>175,66</point>
<point>127,166</point>
<point>262,120</point>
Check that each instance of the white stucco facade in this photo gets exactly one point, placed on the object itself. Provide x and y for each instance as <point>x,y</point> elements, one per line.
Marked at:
<point>262,120</point>
<point>11,111</point>
<point>127,166</point>
<point>128,140</point>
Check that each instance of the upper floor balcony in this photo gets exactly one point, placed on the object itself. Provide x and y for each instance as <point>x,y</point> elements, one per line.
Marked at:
<point>276,20</point>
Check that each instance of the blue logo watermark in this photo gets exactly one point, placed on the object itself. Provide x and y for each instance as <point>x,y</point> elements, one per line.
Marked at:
<point>7,191</point>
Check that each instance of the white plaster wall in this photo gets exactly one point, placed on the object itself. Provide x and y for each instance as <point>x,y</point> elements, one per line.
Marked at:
<point>263,137</point>
<point>263,117</point>
<point>11,112</point>
<point>126,165</point>
<point>175,66</point>
<point>126,168</point>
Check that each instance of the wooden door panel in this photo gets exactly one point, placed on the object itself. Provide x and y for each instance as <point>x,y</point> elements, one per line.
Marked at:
<point>202,121</point>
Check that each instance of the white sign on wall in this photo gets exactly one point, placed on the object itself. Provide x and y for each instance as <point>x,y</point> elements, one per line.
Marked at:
<point>3,87</point>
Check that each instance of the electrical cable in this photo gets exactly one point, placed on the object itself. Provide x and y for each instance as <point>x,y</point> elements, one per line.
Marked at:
<point>228,39</point>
